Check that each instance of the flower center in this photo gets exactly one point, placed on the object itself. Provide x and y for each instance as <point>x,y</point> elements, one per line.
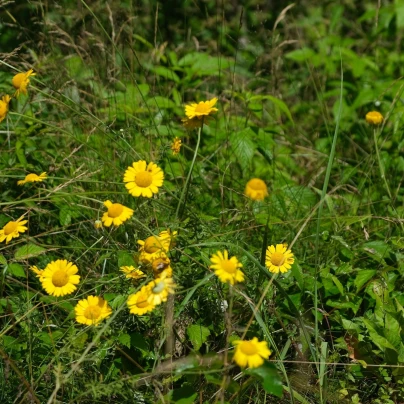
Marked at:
<point>60,278</point>
<point>248,348</point>
<point>10,227</point>
<point>152,244</point>
<point>257,184</point>
<point>159,288</point>
<point>143,179</point>
<point>201,108</point>
<point>92,312</point>
<point>229,266</point>
<point>277,259</point>
<point>115,210</point>
<point>142,301</point>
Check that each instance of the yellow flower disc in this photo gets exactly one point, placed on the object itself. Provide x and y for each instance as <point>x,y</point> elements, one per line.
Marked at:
<point>139,303</point>
<point>116,215</point>
<point>227,269</point>
<point>251,353</point>
<point>92,310</point>
<point>12,230</point>
<point>374,118</point>
<point>256,189</point>
<point>278,258</point>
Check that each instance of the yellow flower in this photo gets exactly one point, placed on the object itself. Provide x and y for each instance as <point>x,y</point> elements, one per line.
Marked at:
<point>160,265</point>
<point>98,224</point>
<point>20,82</point>
<point>279,258</point>
<point>59,278</point>
<point>5,100</point>
<point>138,302</point>
<point>256,189</point>
<point>32,178</point>
<point>132,273</point>
<point>92,310</point>
<point>176,146</point>
<point>38,272</point>
<point>154,246</point>
<point>12,230</point>
<point>227,269</point>
<point>374,118</point>
<point>250,353</point>
<point>159,289</point>
<point>142,179</point>
<point>116,214</point>
<point>203,108</point>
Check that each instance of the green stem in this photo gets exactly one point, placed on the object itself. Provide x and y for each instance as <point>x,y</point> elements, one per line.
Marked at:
<point>380,162</point>
<point>184,193</point>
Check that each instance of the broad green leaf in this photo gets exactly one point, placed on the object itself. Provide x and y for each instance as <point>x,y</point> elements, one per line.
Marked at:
<point>269,376</point>
<point>300,55</point>
<point>243,147</point>
<point>198,335</point>
<point>16,270</point>
<point>160,102</point>
<point>65,217</point>
<point>379,340</point>
<point>125,259</point>
<point>364,275</point>
<point>3,261</point>
<point>338,284</point>
<point>276,101</point>
<point>28,251</point>
<point>166,73</point>
<point>184,395</point>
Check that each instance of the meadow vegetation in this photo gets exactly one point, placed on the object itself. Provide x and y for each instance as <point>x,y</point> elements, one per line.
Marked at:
<point>201,202</point>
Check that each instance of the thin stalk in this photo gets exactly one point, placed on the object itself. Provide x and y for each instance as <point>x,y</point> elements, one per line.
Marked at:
<point>184,193</point>
<point>381,168</point>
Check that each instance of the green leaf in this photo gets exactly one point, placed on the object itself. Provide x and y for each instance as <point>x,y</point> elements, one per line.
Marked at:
<point>270,379</point>
<point>166,73</point>
<point>184,395</point>
<point>16,270</point>
<point>28,251</point>
<point>124,339</point>
<point>125,259</point>
<point>243,147</point>
<point>300,55</point>
<point>363,276</point>
<point>380,340</point>
<point>277,102</point>
<point>198,335</point>
<point>64,216</point>
<point>3,261</point>
<point>160,102</point>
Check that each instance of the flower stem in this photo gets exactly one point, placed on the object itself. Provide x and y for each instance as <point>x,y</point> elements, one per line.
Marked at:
<point>380,163</point>
<point>184,194</point>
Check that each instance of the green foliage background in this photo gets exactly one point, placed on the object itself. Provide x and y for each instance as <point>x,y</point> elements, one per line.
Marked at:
<point>112,81</point>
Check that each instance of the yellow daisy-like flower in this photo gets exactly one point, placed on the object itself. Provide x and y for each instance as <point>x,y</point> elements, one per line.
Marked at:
<point>160,265</point>
<point>154,246</point>
<point>5,100</point>
<point>20,82</point>
<point>374,118</point>
<point>227,269</point>
<point>176,146</point>
<point>38,272</point>
<point>159,289</point>
<point>98,224</point>
<point>256,189</point>
<point>203,108</point>
<point>59,278</point>
<point>33,178</point>
<point>116,214</point>
<point>12,230</point>
<point>250,353</point>
<point>279,258</point>
<point>139,304</point>
<point>142,179</point>
<point>132,273</point>
<point>92,310</point>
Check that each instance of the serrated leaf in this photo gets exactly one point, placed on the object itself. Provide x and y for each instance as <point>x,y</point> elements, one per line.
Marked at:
<point>269,376</point>
<point>198,335</point>
<point>166,73</point>
<point>3,261</point>
<point>363,276</point>
<point>28,251</point>
<point>124,339</point>
<point>16,270</point>
<point>243,147</point>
